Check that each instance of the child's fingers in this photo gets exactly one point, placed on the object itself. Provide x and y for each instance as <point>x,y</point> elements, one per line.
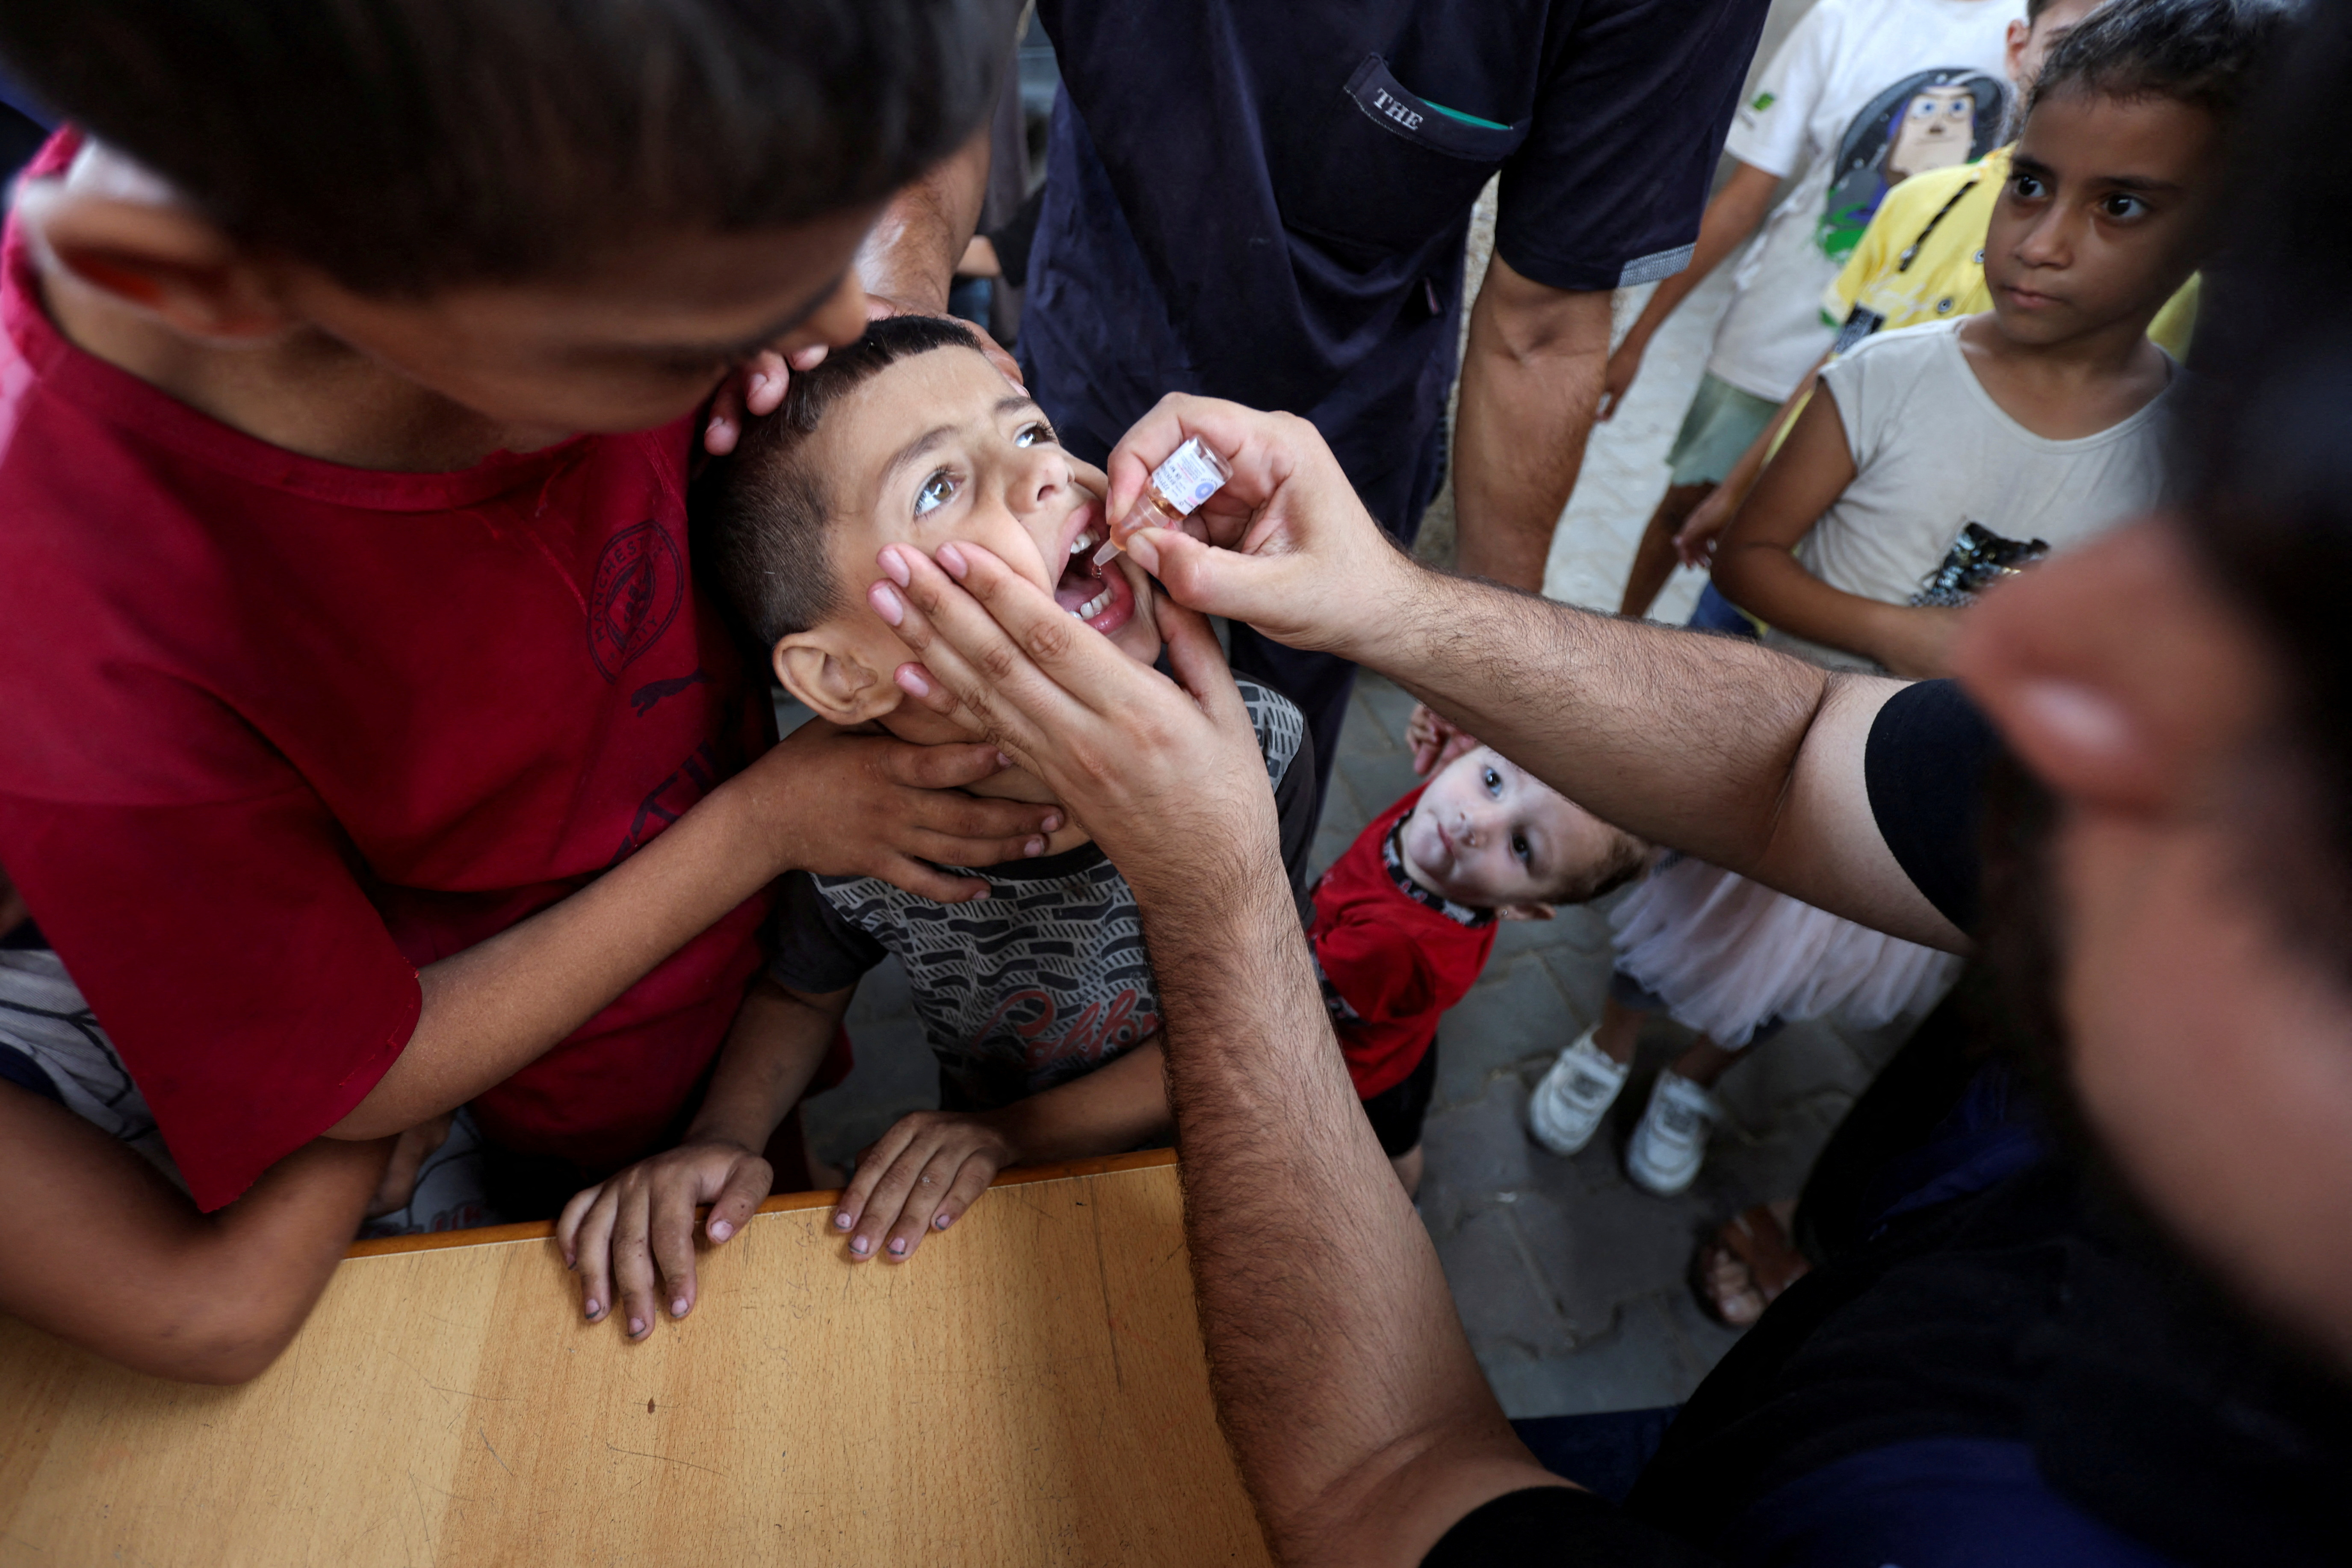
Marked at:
<point>764,380</point>
<point>592,1242</point>
<point>972,1179</point>
<point>889,1199</point>
<point>670,1238</point>
<point>930,1189</point>
<point>927,881</point>
<point>567,1223</point>
<point>748,1185</point>
<point>633,1267</point>
<point>873,1163</point>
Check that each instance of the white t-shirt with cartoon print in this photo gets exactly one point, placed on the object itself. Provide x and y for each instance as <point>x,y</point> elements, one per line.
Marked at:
<point>1863,94</point>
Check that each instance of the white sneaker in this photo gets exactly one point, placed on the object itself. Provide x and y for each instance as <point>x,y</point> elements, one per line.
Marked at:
<point>1568,1105</point>
<point>1670,1144</point>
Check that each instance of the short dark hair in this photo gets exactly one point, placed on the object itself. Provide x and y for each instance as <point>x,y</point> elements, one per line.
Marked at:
<point>403,145</point>
<point>2209,54</point>
<point>762,515</point>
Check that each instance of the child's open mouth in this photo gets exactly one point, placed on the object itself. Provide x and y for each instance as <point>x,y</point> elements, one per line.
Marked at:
<point>1098,595</point>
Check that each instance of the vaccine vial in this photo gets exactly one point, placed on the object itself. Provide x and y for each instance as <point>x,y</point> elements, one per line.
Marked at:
<point>1192,474</point>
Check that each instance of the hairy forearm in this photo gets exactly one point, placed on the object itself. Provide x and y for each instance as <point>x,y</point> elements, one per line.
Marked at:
<point>911,254</point>
<point>773,1051</point>
<point>1530,384</point>
<point>1362,1425</point>
<point>501,1004</point>
<point>1687,740</point>
<point>1740,756</point>
<point>1112,1109</point>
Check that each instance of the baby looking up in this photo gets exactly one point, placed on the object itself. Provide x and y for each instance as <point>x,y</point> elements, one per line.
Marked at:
<point>1405,919</point>
<point>1038,1001</point>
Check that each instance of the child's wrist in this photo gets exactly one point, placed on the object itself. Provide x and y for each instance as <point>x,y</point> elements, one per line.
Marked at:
<point>733,1134</point>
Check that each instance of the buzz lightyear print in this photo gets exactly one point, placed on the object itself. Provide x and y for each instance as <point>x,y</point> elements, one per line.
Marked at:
<point>1931,120</point>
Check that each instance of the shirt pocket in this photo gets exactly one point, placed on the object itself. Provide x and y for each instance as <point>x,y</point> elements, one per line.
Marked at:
<point>1385,170</point>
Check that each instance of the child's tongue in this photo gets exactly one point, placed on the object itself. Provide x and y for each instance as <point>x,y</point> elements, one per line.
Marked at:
<point>1082,583</point>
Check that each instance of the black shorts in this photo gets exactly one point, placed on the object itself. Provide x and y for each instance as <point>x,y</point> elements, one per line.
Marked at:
<point>1396,1112</point>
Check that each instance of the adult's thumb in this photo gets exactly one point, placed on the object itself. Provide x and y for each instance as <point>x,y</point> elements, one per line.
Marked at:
<point>1198,574</point>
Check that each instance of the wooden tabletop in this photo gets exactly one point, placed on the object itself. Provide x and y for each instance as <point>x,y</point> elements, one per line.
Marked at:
<point>1028,1390</point>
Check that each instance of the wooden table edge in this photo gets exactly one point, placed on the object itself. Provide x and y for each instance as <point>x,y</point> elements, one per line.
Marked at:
<point>783,1203</point>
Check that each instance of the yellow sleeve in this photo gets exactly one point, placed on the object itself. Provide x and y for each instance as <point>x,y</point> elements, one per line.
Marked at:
<point>2175,324</point>
<point>1872,254</point>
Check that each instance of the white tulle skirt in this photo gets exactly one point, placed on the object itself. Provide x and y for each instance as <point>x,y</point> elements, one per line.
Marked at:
<point>1727,955</point>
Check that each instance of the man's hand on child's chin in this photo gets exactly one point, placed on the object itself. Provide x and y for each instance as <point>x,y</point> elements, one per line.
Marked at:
<point>634,1230</point>
<point>1166,776</point>
<point>846,805</point>
<point>917,1178</point>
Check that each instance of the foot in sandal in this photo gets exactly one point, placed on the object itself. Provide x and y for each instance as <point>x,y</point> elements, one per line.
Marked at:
<point>1745,1266</point>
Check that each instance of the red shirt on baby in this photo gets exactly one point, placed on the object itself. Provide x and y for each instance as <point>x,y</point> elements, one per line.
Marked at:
<point>1392,955</point>
<point>280,732</point>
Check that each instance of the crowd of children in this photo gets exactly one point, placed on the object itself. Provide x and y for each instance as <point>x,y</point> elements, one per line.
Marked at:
<point>560,904</point>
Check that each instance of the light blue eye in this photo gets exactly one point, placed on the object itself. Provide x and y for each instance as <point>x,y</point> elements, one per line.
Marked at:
<point>937,491</point>
<point>1493,781</point>
<point>1519,847</point>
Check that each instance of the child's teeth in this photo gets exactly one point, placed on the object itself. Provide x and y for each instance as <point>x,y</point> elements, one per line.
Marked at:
<point>1094,606</point>
<point>1083,542</point>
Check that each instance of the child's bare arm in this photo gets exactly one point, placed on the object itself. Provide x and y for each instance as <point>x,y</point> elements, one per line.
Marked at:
<point>1695,540</point>
<point>638,1224</point>
<point>823,800</point>
<point>1754,567</point>
<point>934,1164</point>
<point>99,1250</point>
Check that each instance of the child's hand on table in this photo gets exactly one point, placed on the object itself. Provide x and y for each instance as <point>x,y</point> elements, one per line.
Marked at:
<point>638,1224</point>
<point>918,1177</point>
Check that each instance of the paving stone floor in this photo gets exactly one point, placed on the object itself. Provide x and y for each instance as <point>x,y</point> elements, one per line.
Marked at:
<point>1570,1280</point>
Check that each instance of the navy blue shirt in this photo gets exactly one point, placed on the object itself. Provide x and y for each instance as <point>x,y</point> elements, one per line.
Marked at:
<point>1266,200</point>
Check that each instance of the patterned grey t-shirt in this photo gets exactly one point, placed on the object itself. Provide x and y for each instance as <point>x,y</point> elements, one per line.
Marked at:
<point>1047,978</point>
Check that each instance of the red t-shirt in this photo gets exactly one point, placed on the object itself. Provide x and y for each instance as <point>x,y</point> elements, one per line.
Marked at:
<point>1392,956</point>
<point>280,732</point>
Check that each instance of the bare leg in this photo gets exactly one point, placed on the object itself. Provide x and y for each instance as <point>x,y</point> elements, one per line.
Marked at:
<point>1654,558</point>
<point>1704,1062</point>
<point>1408,1167</point>
<point>1621,1027</point>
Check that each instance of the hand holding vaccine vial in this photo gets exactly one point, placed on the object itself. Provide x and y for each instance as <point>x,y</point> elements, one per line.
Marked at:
<point>1192,474</point>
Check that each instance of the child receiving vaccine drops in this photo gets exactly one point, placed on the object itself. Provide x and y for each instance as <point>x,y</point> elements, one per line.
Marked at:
<point>1038,1001</point>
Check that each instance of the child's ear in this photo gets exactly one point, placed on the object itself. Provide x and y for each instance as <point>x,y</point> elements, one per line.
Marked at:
<point>835,683</point>
<point>1523,912</point>
<point>155,256</point>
